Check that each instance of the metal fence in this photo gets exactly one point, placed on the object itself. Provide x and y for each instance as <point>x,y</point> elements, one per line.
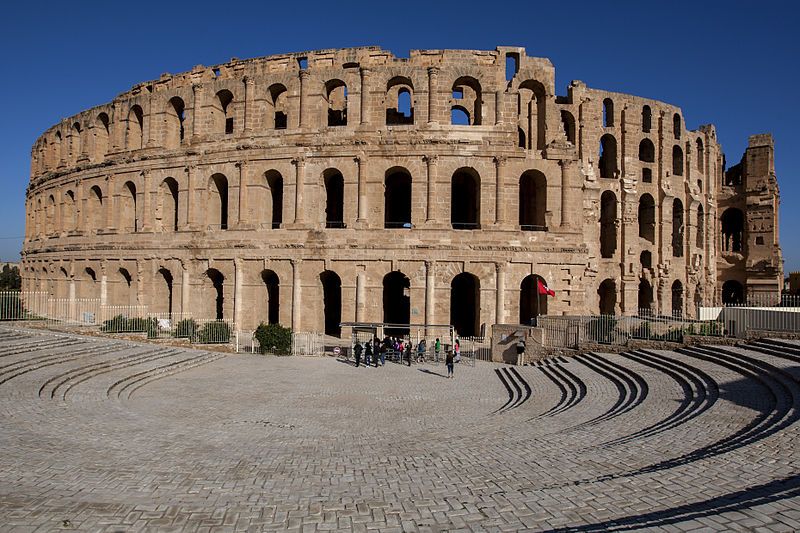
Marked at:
<point>572,331</point>
<point>308,343</point>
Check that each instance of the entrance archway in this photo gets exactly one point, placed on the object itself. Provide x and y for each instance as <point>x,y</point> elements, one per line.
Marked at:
<point>396,301</point>
<point>465,304</point>
<point>332,302</point>
<point>531,303</point>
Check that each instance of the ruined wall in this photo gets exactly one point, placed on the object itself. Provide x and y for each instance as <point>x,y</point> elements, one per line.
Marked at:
<point>353,185</point>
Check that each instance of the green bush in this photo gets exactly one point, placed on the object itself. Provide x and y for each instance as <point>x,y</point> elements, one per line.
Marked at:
<point>186,329</point>
<point>274,338</point>
<point>214,333</point>
<point>123,324</point>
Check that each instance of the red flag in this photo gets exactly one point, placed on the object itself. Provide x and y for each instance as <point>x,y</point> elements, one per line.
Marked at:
<point>543,289</point>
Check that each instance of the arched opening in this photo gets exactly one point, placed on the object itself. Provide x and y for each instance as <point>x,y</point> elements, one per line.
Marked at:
<point>459,116</point>
<point>272,296</point>
<point>465,304</point>
<point>647,151</point>
<point>647,119</point>
<point>512,65</point>
<point>168,196</point>
<point>677,299</point>
<point>89,286</point>
<point>732,222</point>
<point>701,155</point>
<point>95,216</point>
<point>647,175</point>
<point>532,105</point>
<point>568,124</point>
<point>399,102</point>
<point>608,224</point>
<point>135,128</point>
<point>396,302</point>
<point>223,112</point>
<point>101,135</point>
<point>165,306</point>
<point>218,284</point>
<point>646,259</point>
<point>397,199</point>
<point>175,116</point>
<point>336,96</point>
<point>700,227</point>
<point>50,215</point>
<point>531,303</point>
<point>69,215</point>
<point>218,202</point>
<point>332,302</point>
<point>465,199</point>
<point>467,98</point>
<point>647,218</point>
<point>676,125</point>
<point>334,198</point>
<point>532,201</point>
<point>75,143</point>
<point>608,113</point>
<point>608,297</point>
<point>122,292</point>
<point>129,220</point>
<point>645,299</point>
<point>677,228</point>
<point>677,160</point>
<point>275,186</point>
<point>521,139</point>
<point>277,100</point>
<point>608,156</point>
<point>732,293</point>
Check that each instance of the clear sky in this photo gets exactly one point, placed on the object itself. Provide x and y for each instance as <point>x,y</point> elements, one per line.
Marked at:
<point>734,63</point>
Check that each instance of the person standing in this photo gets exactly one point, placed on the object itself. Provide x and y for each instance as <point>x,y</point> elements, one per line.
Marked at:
<point>408,353</point>
<point>449,362</point>
<point>437,347</point>
<point>357,351</point>
<point>457,352</point>
<point>367,353</point>
<point>421,351</point>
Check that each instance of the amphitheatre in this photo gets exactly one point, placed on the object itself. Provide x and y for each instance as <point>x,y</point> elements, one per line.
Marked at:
<point>349,185</point>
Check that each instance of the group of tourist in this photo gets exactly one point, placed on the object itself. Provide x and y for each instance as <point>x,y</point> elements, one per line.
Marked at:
<point>376,350</point>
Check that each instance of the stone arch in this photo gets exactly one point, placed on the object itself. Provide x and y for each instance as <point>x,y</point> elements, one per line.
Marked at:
<point>732,227</point>
<point>274,181</point>
<point>333,182</point>
<point>677,160</point>
<point>677,228</point>
<point>174,117</point>
<point>217,207</point>
<point>89,286</point>
<point>397,301</point>
<point>467,96</point>
<point>56,152</point>
<point>532,200</point>
<point>217,285</point>
<point>271,292</point>
<point>531,303</point>
<point>168,204</point>
<point>532,113</point>
<point>608,224</point>
<point>568,124</point>
<point>336,98</point>
<point>96,214</point>
<point>129,219</point>
<point>465,304</point>
<point>101,133</point>
<point>397,198</point>
<point>699,238</point>
<point>647,119</point>
<point>50,216</point>
<point>647,218</point>
<point>69,212</point>
<point>677,298</point>
<point>332,302</point>
<point>465,199</point>
<point>700,154</point>
<point>645,297</point>
<point>647,151</point>
<point>163,292</point>
<point>223,112</point>
<point>608,157</point>
<point>732,292</point>
<point>277,105</point>
<point>607,293</point>
<point>134,133</point>
<point>399,101</point>
<point>676,126</point>
<point>122,292</point>
<point>608,113</point>
<point>75,142</point>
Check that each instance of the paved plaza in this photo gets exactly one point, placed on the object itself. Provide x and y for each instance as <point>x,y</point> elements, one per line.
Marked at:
<point>111,435</point>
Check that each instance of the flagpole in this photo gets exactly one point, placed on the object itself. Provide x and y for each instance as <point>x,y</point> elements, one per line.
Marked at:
<point>537,300</point>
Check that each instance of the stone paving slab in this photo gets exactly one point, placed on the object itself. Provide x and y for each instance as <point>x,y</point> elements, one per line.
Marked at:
<point>661,441</point>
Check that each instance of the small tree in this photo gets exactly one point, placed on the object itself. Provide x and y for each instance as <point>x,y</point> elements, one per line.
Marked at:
<point>274,338</point>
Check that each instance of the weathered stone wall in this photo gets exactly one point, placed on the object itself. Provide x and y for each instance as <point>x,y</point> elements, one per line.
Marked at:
<point>244,190</point>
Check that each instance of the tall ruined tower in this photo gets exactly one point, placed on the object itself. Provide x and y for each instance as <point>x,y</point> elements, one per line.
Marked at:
<point>750,264</point>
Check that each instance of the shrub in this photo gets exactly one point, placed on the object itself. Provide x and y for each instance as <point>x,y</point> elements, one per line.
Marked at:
<point>214,333</point>
<point>123,324</point>
<point>186,329</point>
<point>274,338</point>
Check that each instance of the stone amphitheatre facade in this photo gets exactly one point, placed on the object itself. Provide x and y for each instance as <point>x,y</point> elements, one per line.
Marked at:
<point>350,185</point>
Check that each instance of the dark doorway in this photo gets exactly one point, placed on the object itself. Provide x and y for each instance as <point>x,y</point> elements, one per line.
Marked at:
<point>217,280</point>
<point>608,297</point>
<point>645,298</point>
<point>272,286</point>
<point>531,303</point>
<point>465,304</point>
<point>465,200</point>
<point>396,302</point>
<point>334,199</point>
<point>166,275</point>
<point>332,302</point>
<point>732,293</point>
<point>397,199</point>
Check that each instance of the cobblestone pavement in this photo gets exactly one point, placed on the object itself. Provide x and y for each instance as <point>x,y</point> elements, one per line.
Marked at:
<point>106,435</point>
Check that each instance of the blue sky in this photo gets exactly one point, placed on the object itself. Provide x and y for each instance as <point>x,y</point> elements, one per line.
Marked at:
<point>733,64</point>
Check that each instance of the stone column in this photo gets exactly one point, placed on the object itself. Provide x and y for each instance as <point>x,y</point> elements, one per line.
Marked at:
<point>430,209</point>
<point>296,289</point>
<point>365,114</point>
<point>300,165</point>
<point>500,283</point>
<point>148,203</point>
<point>361,295</point>
<point>237,294</point>
<point>190,219</point>
<point>197,110</point>
<point>361,161</point>
<point>568,170</point>
<point>139,283</point>
<point>499,205</point>
<point>303,98</point>
<point>103,287</point>
<point>430,287</point>
<point>109,204</point>
<point>243,218</point>
<point>498,107</point>
<point>72,300</point>
<point>249,104</point>
<point>433,75</point>
<point>184,287</point>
